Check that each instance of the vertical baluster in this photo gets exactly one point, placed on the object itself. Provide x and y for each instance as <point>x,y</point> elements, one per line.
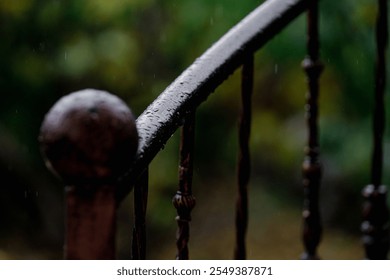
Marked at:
<point>89,138</point>
<point>375,226</point>
<point>312,229</point>
<point>140,204</point>
<point>244,158</point>
<point>184,201</point>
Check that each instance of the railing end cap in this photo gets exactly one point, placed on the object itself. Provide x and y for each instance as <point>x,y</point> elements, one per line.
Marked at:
<point>89,136</point>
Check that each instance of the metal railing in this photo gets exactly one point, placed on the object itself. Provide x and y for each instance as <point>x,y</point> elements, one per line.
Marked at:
<point>92,141</point>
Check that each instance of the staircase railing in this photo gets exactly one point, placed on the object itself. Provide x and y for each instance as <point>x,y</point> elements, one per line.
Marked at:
<point>91,140</point>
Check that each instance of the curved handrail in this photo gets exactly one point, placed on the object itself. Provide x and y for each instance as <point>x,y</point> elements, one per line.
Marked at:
<point>162,117</point>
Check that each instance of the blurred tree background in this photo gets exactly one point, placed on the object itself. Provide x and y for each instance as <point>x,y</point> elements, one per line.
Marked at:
<point>134,49</point>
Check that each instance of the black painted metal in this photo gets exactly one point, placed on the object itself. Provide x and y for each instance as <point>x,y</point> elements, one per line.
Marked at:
<point>375,226</point>
<point>244,165</point>
<point>184,201</point>
<point>161,119</point>
<point>312,229</point>
<point>139,230</point>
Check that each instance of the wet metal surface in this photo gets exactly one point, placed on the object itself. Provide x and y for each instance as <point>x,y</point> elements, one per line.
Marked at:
<point>184,201</point>
<point>161,119</point>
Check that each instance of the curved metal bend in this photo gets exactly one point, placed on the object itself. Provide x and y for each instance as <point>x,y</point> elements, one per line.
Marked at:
<point>161,119</point>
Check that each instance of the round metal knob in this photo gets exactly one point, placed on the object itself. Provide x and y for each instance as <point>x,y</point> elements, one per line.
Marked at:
<point>89,136</point>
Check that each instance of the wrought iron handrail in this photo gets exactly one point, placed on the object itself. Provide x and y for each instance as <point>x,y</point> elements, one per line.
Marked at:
<point>162,117</point>
<point>94,189</point>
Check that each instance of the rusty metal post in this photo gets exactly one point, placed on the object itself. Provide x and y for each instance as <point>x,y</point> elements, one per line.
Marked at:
<point>89,138</point>
<point>375,226</point>
<point>184,201</point>
<point>312,229</point>
<point>244,158</point>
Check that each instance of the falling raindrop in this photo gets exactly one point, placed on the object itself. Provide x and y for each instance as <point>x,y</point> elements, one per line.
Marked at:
<point>65,55</point>
<point>276,68</point>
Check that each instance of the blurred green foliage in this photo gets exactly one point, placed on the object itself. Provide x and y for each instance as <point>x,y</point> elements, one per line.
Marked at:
<point>135,48</point>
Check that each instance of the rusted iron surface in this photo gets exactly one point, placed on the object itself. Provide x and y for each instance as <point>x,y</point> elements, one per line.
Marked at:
<point>184,201</point>
<point>375,226</point>
<point>311,168</point>
<point>161,119</point>
<point>90,222</point>
<point>244,165</point>
<point>89,139</point>
<point>139,231</point>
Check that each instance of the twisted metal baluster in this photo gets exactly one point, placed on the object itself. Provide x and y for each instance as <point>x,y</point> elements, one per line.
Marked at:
<point>184,201</point>
<point>244,159</point>
<point>139,230</point>
<point>375,226</point>
<point>312,229</point>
